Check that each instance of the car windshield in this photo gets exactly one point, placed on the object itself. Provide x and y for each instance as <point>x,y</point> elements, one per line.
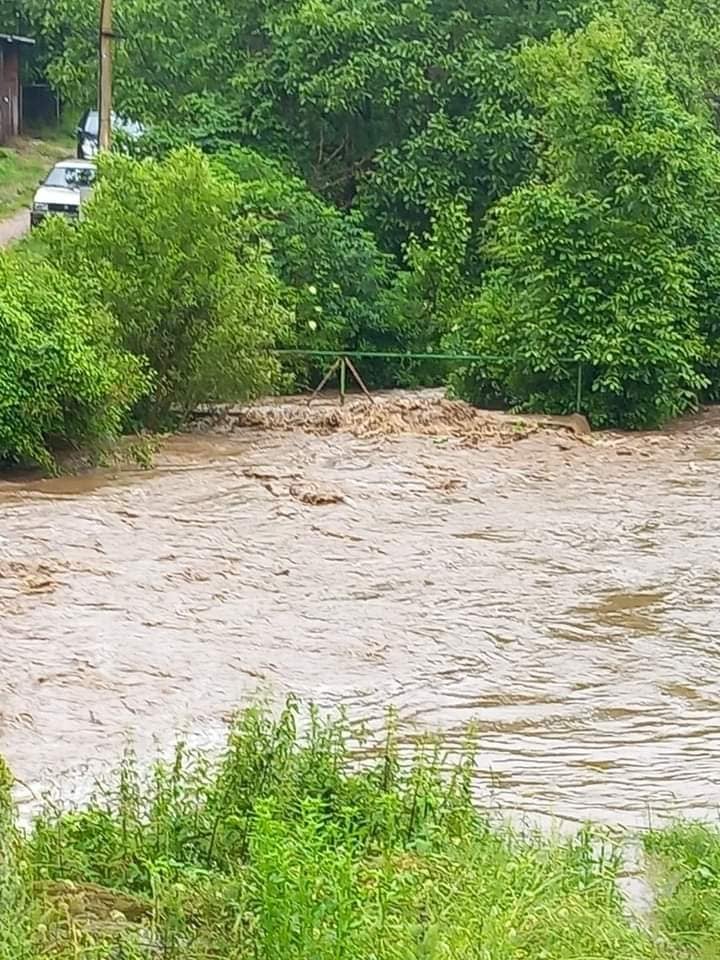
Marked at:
<point>130,128</point>
<point>72,177</point>
<point>92,123</point>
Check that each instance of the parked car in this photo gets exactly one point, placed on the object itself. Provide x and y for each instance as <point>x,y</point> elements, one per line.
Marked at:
<point>88,132</point>
<point>63,190</point>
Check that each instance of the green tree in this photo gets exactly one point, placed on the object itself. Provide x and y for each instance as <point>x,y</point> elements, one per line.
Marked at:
<point>428,292</point>
<point>395,107</point>
<point>344,294</point>
<point>334,277</point>
<point>598,262</point>
<point>161,248</point>
<point>63,381</point>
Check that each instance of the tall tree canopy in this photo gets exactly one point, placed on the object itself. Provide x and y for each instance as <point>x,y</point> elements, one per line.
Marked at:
<point>545,178</point>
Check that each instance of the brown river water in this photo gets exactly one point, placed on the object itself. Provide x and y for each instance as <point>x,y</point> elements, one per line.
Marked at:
<point>564,596</point>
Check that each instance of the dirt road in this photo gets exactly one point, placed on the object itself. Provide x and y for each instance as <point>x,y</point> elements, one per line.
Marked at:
<point>14,227</point>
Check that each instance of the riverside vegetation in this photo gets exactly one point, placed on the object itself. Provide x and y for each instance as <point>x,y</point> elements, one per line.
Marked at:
<point>533,184</point>
<point>309,844</point>
<point>524,181</point>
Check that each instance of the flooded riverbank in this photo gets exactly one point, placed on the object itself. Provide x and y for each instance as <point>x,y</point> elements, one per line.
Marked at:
<point>562,595</point>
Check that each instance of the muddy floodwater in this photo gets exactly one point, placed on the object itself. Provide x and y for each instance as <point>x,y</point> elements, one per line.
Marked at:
<point>564,596</point>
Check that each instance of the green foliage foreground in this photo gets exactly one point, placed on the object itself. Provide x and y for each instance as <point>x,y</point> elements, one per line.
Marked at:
<point>290,847</point>
<point>161,248</point>
<point>64,377</point>
<point>687,864</point>
<point>160,298</point>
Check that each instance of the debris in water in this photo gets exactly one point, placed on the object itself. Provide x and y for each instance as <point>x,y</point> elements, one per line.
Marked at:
<point>426,413</point>
<point>421,413</point>
<point>315,496</point>
<point>429,416</point>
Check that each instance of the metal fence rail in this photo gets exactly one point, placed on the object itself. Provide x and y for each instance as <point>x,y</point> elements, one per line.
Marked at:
<point>342,363</point>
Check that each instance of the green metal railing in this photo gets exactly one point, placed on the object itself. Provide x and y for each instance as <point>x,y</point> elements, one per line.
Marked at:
<point>343,362</point>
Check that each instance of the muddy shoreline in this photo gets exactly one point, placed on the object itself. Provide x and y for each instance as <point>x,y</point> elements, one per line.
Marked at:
<point>562,595</point>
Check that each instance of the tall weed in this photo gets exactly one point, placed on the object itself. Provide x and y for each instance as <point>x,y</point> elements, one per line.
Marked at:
<point>309,840</point>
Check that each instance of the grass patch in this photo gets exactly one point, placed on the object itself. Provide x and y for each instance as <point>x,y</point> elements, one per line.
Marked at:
<point>285,850</point>
<point>688,907</point>
<point>24,162</point>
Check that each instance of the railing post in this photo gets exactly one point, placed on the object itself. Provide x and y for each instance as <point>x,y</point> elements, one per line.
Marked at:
<point>342,380</point>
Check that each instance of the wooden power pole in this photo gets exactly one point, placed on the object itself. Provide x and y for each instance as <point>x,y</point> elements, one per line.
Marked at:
<point>105,75</point>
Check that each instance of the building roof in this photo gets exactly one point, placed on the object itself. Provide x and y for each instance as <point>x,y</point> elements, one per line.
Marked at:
<point>12,38</point>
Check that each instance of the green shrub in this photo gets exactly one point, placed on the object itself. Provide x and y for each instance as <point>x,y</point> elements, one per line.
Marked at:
<point>428,292</point>
<point>575,283</point>
<point>687,860</point>
<point>17,916</point>
<point>192,293</point>
<point>605,259</point>
<point>63,381</point>
<point>292,848</point>
<point>335,277</point>
<point>344,293</point>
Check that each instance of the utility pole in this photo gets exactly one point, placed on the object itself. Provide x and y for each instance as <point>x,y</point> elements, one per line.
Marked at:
<point>105,75</point>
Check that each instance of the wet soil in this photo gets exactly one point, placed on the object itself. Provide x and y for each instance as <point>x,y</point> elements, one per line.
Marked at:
<point>564,595</point>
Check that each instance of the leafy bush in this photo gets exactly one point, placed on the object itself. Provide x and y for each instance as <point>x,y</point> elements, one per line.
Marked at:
<point>344,293</point>
<point>575,284</point>
<point>335,277</point>
<point>428,291</point>
<point>601,263</point>
<point>17,938</point>
<point>687,861</point>
<point>62,378</point>
<point>193,293</point>
<point>291,849</point>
